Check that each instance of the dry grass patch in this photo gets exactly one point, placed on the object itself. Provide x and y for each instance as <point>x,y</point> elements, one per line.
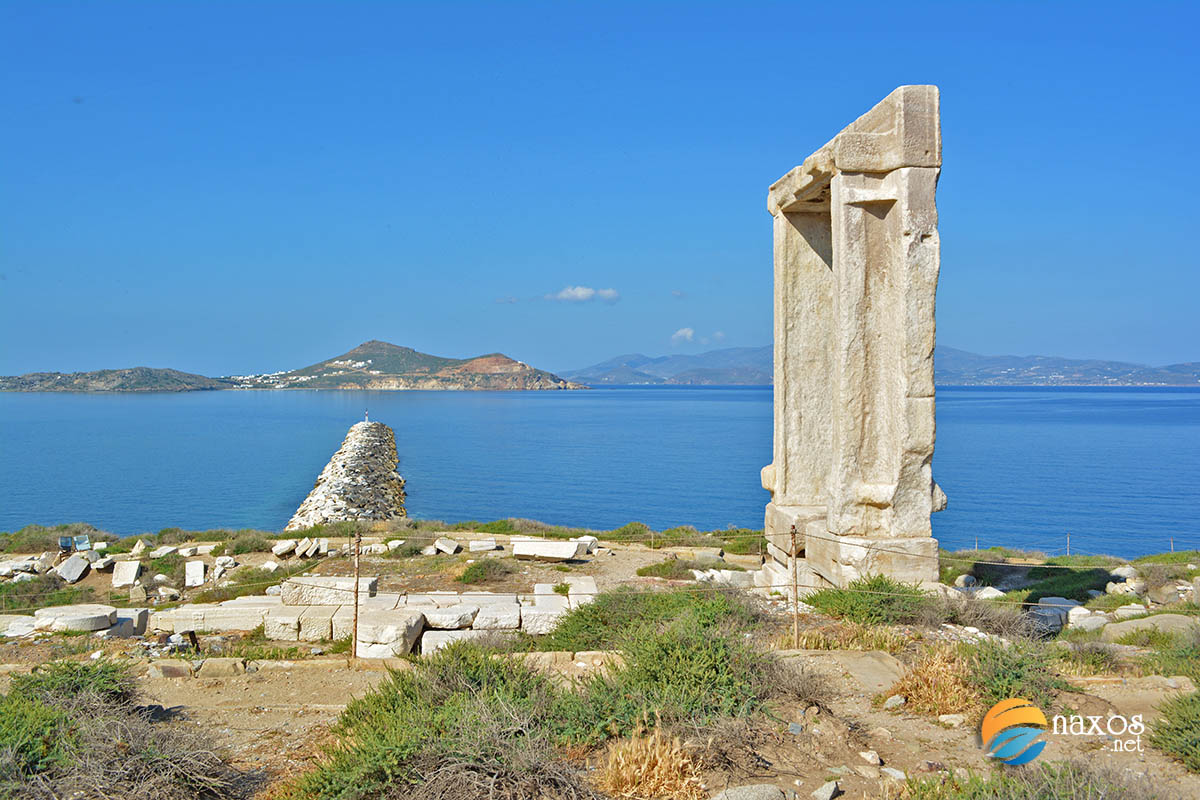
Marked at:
<point>938,683</point>
<point>850,636</point>
<point>651,767</point>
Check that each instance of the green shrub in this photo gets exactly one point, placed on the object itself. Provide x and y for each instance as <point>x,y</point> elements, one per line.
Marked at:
<point>1177,655</point>
<point>40,539</point>
<point>244,542</point>
<point>43,590</point>
<point>487,569</point>
<point>876,600</point>
<point>1177,731</point>
<point>629,532</point>
<point>34,738</point>
<point>461,723</point>
<point>1177,557</point>
<point>1072,584</point>
<point>604,624</point>
<point>249,580</point>
<point>171,565</point>
<point>1019,669</point>
<point>1055,780</point>
<point>65,680</point>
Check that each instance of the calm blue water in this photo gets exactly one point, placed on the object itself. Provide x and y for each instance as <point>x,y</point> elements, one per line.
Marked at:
<point>1119,469</point>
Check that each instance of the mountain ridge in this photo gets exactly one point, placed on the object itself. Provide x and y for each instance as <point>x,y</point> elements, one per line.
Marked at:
<point>374,365</point>
<point>753,366</point>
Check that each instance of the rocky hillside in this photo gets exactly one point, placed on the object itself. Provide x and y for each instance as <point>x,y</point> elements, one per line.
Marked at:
<point>381,365</point>
<point>135,379</point>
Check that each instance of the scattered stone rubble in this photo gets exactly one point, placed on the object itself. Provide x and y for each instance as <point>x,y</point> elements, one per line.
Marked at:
<point>321,608</point>
<point>360,482</point>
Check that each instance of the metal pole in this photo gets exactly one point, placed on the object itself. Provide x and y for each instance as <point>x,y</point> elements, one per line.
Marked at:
<point>1068,543</point>
<point>795,594</point>
<point>357,551</point>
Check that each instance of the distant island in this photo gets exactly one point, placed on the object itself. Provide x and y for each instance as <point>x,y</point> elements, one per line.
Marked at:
<point>372,365</point>
<point>380,365</point>
<point>753,366</point>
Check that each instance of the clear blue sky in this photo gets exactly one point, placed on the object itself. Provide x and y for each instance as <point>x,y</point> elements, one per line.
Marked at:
<point>236,187</point>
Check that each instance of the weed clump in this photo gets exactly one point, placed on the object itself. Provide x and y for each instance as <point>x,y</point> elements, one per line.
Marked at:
<point>876,600</point>
<point>487,569</point>
<point>1177,732</point>
<point>75,730</point>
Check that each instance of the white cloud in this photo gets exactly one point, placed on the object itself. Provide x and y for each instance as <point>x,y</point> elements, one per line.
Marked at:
<point>582,294</point>
<point>678,294</point>
<point>683,335</point>
<point>719,336</point>
<point>506,300</point>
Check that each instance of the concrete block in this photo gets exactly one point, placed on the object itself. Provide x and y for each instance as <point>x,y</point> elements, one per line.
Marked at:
<point>398,630</point>
<point>217,619</point>
<point>283,624</point>
<point>496,617</point>
<point>187,552</point>
<point>284,547</point>
<point>137,618</point>
<point>481,545</point>
<point>193,573</point>
<point>316,623</point>
<point>165,550</point>
<point>326,591</point>
<point>447,545</point>
<point>74,568</point>
<point>451,617</point>
<point>583,590</point>
<point>221,668</point>
<point>432,641</point>
<point>548,550</point>
<point>82,617</point>
<point>125,573</point>
<point>170,668</point>
<point>540,620</point>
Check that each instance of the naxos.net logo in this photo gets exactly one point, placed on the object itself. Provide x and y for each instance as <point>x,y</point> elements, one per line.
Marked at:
<point>1010,731</point>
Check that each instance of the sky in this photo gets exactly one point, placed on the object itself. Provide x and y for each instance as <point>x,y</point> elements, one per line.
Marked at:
<point>230,188</point>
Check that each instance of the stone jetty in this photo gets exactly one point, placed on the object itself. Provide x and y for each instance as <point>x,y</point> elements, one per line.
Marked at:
<point>360,482</point>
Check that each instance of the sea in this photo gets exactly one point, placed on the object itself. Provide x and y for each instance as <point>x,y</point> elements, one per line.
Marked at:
<point>1114,470</point>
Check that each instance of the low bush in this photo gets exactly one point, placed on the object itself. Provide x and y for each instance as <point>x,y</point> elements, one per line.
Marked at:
<point>1000,619</point>
<point>876,600</point>
<point>1020,669</point>
<point>487,569</point>
<point>1088,658</point>
<point>939,682</point>
<point>1056,780</point>
<point>1179,655</point>
<point>249,580</point>
<point>22,597</point>
<point>244,542</point>
<point>680,569</point>
<point>1073,584</point>
<point>604,624</point>
<point>461,723</point>
<point>40,539</point>
<point>654,766</point>
<point>171,565</point>
<point>850,636</point>
<point>1177,731</point>
<point>75,730</point>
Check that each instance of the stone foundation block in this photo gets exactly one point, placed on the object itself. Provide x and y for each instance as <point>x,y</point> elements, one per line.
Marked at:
<point>283,624</point>
<point>844,559</point>
<point>316,623</point>
<point>326,591</point>
<point>432,641</point>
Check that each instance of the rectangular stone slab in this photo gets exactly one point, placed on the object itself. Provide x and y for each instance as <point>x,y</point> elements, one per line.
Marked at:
<point>549,551</point>
<point>316,623</point>
<point>125,573</point>
<point>325,591</point>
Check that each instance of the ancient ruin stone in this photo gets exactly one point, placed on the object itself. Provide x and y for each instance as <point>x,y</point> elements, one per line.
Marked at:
<point>856,270</point>
<point>360,482</point>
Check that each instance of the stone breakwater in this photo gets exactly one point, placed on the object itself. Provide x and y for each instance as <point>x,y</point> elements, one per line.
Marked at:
<point>360,482</point>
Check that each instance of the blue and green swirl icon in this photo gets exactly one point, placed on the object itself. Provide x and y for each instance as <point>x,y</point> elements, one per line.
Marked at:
<point>1009,734</point>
